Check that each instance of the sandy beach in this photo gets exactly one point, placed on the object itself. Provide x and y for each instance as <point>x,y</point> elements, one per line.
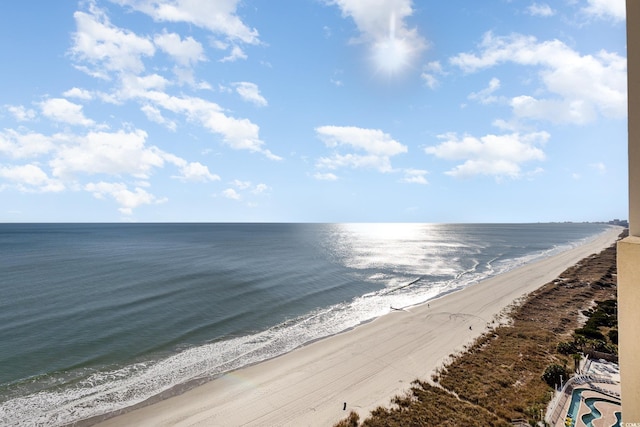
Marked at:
<point>364,367</point>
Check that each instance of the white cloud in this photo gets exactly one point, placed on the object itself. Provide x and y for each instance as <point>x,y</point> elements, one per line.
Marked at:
<point>224,89</point>
<point>61,110</point>
<point>239,134</point>
<point>185,52</point>
<point>155,115</point>
<point>556,111</point>
<point>20,113</point>
<point>24,145</point>
<point>73,157</point>
<point>29,178</point>
<point>611,9</point>
<point>381,163</point>
<point>325,176</point>
<point>250,92</point>
<point>243,185</point>
<point>79,94</point>
<point>261,189</point>
<point>578,88</point>
<point>245,189</point>
<point>430,73</point>
<point>382,25</point>
<point>118,153</point>
<point>493,155</point>
<point>599,167</point>
<point>230,193</point>
<point>127,199</point>
<point>218,44</point>
<point>196,171</point>
<point>218,16</point>
<point>336,79</point>
<point>190,171</point>
<point>370,140</point>
<point>106,47</point>
<point>540,9</point>
<point>415,176</point>
<point>504,125</point>
<point>430,80</point>
<point>116,52</point>
<point>378,146</point>
<point>485,96</point>
<point>236,53</point>
<point>186,76</point>
<point>133,87</point>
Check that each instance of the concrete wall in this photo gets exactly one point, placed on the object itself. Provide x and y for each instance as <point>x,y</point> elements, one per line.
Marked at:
<point>633,88</point>
<point>629,326</point>
<point>629,249</point>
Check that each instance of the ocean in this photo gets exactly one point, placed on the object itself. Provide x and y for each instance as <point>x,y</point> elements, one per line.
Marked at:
<point>95,318</point>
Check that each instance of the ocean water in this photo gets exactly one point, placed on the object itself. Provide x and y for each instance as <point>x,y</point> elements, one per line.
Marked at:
<point>98,317</point>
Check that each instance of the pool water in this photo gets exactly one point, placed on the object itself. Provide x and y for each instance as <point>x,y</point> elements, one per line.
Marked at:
<point>574,408</point>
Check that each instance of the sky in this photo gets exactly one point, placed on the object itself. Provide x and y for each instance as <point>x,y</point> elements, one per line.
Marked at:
<point>313,111</point>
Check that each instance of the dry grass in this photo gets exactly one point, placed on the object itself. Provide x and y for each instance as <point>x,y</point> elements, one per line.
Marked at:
<point>498,378</point>
<point>427,405</point>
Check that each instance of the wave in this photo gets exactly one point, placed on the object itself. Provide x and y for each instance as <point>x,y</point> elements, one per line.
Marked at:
<point>66,397</point>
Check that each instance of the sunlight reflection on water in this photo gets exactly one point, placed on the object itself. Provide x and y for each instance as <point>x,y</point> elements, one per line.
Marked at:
<point>408,248</point>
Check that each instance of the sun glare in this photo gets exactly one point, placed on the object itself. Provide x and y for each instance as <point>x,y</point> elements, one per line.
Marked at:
<point>392,55</point>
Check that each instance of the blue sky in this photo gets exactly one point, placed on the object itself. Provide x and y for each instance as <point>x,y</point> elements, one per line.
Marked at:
<point>313,110</point>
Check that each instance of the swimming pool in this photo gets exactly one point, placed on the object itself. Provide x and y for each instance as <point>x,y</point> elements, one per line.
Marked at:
<point>574,408</point>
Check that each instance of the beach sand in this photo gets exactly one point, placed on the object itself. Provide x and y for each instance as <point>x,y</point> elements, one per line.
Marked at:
<point>364,367</point>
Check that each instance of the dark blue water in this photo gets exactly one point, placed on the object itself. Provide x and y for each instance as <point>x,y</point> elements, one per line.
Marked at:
<point>96,317</point>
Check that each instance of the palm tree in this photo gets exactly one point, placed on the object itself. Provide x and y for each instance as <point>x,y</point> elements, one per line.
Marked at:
<point>577,357</point>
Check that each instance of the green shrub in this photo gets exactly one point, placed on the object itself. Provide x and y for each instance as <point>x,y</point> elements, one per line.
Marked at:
<point>567,347</point>
<point>554,374</point>
<point>600,318</point>
<point>590,333</point>
<point>600,345</point>
<point>613,336</point>
<point>609,306</point>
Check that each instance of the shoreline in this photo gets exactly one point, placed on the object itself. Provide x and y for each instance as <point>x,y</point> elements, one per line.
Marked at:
<point>365,366</point>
